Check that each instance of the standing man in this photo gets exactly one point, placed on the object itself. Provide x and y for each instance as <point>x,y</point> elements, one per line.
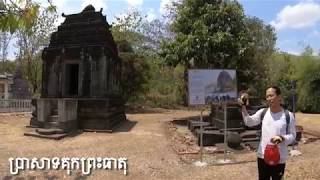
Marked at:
<point>278,127</point>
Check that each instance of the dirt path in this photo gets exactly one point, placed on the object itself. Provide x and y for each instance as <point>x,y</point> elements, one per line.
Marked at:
<point>145,141</point>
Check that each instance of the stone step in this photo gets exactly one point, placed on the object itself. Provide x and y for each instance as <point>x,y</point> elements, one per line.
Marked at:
<point>54,111</point>
<point>50,131</point>
<point>51,136</point>
<point>210,137</point>
<point>97,130</point>
<point>54,118</point>
<point>210,128</point>
<point>232,113</point>
<point>192,125</point>
<point>250,139</point>
<point>240,129</point>
<point>249,134</point>
<point>234,123</point>
<point>52,124</point>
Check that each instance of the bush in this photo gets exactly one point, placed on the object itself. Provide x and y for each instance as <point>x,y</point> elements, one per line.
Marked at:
<point>135,75</point>
<point>281,69</point>
<point>308,76</point>
<point>165,86</point>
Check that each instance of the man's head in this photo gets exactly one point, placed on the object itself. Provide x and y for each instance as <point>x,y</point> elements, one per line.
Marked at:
<point>273,96</point>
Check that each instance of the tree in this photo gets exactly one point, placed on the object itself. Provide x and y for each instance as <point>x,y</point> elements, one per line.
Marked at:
<point>208,34</point>
<point>135,72</point>
<point>253,67</point>
<point>127,28</point>
<point>308,51</point>
<point>308,76</point>
<point>154,33</point>
<point>143,35</point>
<point>8,67</point>
<point>135,68</point>
<point>281,71</point>
<point>19,14</point>
<point>4,43</point>
<point>30,43</point>
<point>135,75</point>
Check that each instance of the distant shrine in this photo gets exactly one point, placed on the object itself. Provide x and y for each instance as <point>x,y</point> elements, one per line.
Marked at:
<point>6,82</point>
<point>20,88</point>
<point>80,78</point>
<point>14,86</point>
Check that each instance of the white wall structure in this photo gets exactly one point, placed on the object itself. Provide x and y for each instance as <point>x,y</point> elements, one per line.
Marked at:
<point>6,80</point>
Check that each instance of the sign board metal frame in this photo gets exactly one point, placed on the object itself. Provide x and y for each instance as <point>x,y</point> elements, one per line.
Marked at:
<point>213,84</point>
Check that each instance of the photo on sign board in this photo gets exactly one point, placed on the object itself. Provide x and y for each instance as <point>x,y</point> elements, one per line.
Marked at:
<point>206,86</point>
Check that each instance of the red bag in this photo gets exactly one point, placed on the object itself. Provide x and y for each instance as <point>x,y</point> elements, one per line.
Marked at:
<point>271,154</point>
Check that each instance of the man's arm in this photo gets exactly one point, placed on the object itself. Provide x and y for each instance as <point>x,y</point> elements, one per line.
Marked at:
<point>251,120</point>
<point>291,136</point>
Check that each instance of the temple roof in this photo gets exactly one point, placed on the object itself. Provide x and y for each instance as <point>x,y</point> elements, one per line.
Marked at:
<point>88,28</point>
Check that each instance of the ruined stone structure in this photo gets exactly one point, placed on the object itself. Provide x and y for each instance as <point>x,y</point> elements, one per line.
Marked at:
<point>5,84</point>
<point>20,87</point>
<point>14,86</point>
<point>81,77</point>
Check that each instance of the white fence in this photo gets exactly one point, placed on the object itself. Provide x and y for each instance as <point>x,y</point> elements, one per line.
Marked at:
<point>15,105</point>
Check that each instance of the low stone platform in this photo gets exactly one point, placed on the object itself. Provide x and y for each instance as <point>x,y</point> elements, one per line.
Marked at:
<point>48,136</point>
<point>49,131</point>
<point>210,137</point>
<point>193,125</point>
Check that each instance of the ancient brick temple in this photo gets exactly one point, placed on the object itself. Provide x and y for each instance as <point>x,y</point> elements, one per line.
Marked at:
<point>81,77</point>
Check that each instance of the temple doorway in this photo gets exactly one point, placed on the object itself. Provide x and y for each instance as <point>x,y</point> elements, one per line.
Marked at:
<point>72,74</point>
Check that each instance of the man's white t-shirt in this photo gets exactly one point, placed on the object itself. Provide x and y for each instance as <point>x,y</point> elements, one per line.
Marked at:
<point>273,124</point>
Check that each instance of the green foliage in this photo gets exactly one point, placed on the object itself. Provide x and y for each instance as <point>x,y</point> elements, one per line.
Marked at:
<point>144,79</point>
<point>253,67</point>
<point>30,43</point>
<point>20,14</point>
<point>32,25</point>
<point>308,51</point>
<point>8,67</point>
<point>217,35</point>
<point>210,33</point>
<point>135,68</point>
<point>144,36</point>
<point>308,76</point>
<point>127,28</point>
<point>281,71</point>
<point>165,85</point>
<point>135,75</point>
<point>31,68</point>
<point>283,68</point>
<point>154,32</point>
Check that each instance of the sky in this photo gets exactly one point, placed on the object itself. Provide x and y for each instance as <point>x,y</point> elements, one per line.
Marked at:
<point>297,22</point>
